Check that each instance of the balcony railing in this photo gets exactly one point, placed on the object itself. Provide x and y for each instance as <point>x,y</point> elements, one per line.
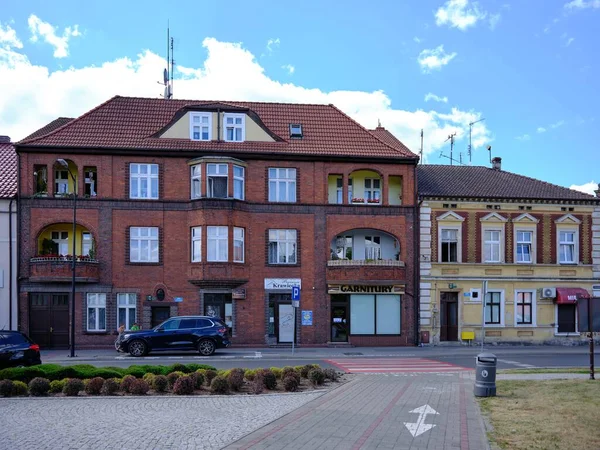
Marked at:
<point>56,268</point>
<point>365,262</point>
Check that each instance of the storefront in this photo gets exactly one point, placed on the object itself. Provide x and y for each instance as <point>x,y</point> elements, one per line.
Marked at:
<point>280,313</point>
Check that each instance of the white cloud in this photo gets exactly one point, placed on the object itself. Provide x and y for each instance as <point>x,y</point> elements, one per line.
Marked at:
<point>458,14</point>
<point>47,32</point>
<point>290,69</point>
<point>272,44</point>
<point>34,95</point>
<point>525,137</point>
<point>494,20</point>
<point>581,4</point>
<point>436,98</point>
<point>541,130</point>
<point>434,59</point>
<point>417,40</point>
<point>560,123</point>
<point>8,37</point>
<point>587,188</point>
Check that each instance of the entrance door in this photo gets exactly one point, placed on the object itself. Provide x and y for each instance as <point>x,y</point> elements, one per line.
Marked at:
<point>449,316</point>
<point>159,315</point>
<point>219,306</point>
<point>49,319</point>
<point>286,323</point>
<point>339,322</point>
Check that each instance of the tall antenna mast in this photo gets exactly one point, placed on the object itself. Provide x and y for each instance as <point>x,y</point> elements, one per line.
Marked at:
<point>451,139</point>
<point>470,130</point>
<point>421,151</point>
<point>172,68</point>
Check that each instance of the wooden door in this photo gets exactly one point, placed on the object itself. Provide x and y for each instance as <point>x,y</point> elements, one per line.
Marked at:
<point>449,316</point>
<point>159,315</point>
<point>49,319</point>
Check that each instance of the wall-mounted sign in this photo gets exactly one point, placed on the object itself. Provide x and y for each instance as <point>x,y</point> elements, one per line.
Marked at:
<point>365,289</point>
<point>149,298</point>
<point>282,283</point>
<point>238,294</point>
<point>178,299</point>
<point>307,318</point>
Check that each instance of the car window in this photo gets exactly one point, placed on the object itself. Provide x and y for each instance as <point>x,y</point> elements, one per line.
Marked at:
<point>171,324</point>
<point>12,339</point>
<point>204,323</point>
<point>187,323</point>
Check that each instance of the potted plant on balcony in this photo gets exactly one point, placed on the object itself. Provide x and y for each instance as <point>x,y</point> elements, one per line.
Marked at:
<point>358,200</point>
<point>373,200</point>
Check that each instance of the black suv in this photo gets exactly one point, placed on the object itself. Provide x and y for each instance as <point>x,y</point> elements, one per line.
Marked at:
<point>201,333</point>
<point>17,350</point>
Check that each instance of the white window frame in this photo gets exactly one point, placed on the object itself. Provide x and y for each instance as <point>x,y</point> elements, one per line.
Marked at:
<point>239,235</point>
<point>61,241</point>
<point>61,184</point>
<point>196,248</point>
<point>98,302</point>
<point>196,176</point>
<point>575,243</point>
<point>372,250</point>
<point>339,190</point>
<point>86,243</point>
<point>286,244</point>
<point>139,176</point>
<point>220,236</point>
<point>533,251</point>
<point>234,126</point>
<point>127,306</point>
<point>200,115</point>
<point>282,175</point>
<point>209,177</point>
<point>372,193</point>
<point>533,308</point>
<point>502,305</point>
<point>500,243</point>
<point>458,229</point>
<point>151,235</point>
<point>241,179</point>
<point>350,190</point>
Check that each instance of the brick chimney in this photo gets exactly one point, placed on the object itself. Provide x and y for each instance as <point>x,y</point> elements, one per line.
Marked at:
<point>4,139</point>
<point>497,163</point>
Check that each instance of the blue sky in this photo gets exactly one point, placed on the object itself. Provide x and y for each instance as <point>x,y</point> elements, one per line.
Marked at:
<point>527,67</point>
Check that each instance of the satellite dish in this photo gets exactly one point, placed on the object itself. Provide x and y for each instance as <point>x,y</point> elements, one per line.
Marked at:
<point>165,76</point>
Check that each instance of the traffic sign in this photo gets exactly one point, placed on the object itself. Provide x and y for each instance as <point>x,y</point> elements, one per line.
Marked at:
<point>296,293</point>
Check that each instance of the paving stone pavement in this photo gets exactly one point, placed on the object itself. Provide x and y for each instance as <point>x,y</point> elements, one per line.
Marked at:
<point>371,412</point>
<point>199,422</point>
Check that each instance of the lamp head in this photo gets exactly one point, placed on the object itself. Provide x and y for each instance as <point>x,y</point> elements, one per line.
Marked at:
<point>62,162</point>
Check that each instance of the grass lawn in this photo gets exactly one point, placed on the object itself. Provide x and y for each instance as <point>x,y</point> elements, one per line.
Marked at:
<point>550,370</point>
<point>545,415</point>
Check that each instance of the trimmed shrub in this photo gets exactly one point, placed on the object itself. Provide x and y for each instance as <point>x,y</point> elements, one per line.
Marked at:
<point>193,367</point>
<point>210,375</point>
<point>19,389</point>
<point>148,376</point>
<point>278,372</point>
<point>160,383</point>
<point>235,379</point>
<point>290,383</point>
<point>139,387</point>
<point>305,369</point>
<point>110,387</point>
<point>331,374</point>
<point>57,386</point>
<point>135,371</point>
<point>258,385</point>
<point>6,388</point>
<point>126,383</point>
<point>287,370</point>
<point>184,386</point>
<point>291,372</point>
<point>94,386</point>
<point>198,379</point>
<point>178,367</point>
<point>269,379</point>
<point>219,385</point>
<point>250,374</point>
<point>72,387</point>
<point>39,386</point>
<point>173,377</point>
<point>316,376</point>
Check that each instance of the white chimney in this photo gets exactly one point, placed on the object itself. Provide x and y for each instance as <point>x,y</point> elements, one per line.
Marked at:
<point>497,163</point>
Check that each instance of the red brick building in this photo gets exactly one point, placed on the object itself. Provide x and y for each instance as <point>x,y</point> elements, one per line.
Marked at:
<point>218,208</point>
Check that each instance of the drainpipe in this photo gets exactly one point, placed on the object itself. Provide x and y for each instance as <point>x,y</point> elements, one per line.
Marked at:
<point>19,206</point>
<point>417,266</point>
<point>218,124</point>
<point>10,264</point>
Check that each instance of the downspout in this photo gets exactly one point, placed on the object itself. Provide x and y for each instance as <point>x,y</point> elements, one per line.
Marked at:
<point>417,266</point>
<point>218,124</point>
<point>10,264</point>
<point>19,206</point>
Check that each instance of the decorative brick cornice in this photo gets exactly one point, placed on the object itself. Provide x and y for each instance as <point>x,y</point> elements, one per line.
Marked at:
<point>509,241</point>
<point>547,239</point>
<point>472,237</point>
<point>585,255</point>
<point>434,225</point>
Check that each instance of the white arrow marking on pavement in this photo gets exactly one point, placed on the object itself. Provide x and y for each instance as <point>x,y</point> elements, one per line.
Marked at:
<point>420,426</point>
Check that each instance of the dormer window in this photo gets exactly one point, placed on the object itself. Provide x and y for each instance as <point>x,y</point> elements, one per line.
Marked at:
<point>200,126</point>
<point>296,130</point>
<point>233,129</point>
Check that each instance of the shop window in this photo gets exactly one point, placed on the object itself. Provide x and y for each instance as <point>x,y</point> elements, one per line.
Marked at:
<point>375,314</point>
<point>40,174</point>
<point>91,181</point>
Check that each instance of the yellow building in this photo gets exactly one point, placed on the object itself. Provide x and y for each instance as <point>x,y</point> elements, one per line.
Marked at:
<point>529,248</point>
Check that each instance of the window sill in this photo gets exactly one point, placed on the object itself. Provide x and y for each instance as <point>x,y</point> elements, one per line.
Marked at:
<point>283,265</point>
<point>97,333</point>
<point>571,334</point>
<point>488,326</point>
<point>141,263</point>
<point>527,325</point>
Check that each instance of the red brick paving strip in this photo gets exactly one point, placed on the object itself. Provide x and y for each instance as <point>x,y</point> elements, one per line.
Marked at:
<point>464,430</point>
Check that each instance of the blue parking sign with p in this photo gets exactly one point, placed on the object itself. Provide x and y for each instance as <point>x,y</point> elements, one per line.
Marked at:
<point>295,293</point>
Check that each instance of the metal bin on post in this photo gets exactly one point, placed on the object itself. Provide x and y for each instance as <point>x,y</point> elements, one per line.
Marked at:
<point>485,375</point>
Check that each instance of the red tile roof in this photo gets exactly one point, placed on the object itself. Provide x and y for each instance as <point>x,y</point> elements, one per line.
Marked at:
<point>384,135</point>
<point>56,123</point>
<point>8,170</point>
<point>132,123</point>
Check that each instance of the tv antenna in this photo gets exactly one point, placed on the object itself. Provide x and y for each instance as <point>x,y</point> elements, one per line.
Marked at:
<point>470,132</point>
<point>168,72</point>
<point>451,139</point>
<point>421,151</point>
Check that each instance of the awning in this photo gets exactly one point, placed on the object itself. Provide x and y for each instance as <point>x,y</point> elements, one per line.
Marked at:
<point>569,296</point>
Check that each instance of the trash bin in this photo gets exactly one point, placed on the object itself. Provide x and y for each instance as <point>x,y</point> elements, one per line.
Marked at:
<point>485,375</point>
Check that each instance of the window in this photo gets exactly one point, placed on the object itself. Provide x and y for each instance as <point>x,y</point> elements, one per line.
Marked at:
<point>492,245</point>
<point>567,246</point>
<point>233,129</point>
<point>343,247</point>
<point>295,130</point>
<point>40,174</point>
<point>86,243</point>
<point>126,310</point>
<point>217,244</point>
<point>524,246</point>
<point>372,190</point>
<point>61,181</point>
<point>196,244</point>
<point>238,182</point>
<point>375,314</point>
<point>90,175</point>
<point>216,178</point>
<point>143,181</point>
<point>339,190</point>
<point>282,246</point>
<point>566,318</point>
<point>372,247</point>
<point>282,185</point>
<point>200,126</point>
<point>524,308</point>
<point>143,244</point>
<point>96,312</point>
<point>493,308</point>
<point>449,242</point>
<point>196,179</point>
<point>61,239</point>
<point>238,244</point>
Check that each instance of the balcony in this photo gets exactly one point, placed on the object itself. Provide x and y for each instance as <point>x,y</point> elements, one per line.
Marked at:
<point>364,262</point>
<point>57,269</point>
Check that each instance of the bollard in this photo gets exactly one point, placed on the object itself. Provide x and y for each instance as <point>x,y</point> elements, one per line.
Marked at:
<point>485,375</point>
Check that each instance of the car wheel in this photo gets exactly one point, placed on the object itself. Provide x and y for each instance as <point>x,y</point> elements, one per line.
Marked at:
<point>137,348</point>
<point>206,347</point>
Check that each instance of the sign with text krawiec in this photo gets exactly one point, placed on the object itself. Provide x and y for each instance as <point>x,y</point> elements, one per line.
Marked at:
<point>282,283</point>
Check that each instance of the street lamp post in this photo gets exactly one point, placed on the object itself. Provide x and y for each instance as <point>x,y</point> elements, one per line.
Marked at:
<point>65,164</point>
